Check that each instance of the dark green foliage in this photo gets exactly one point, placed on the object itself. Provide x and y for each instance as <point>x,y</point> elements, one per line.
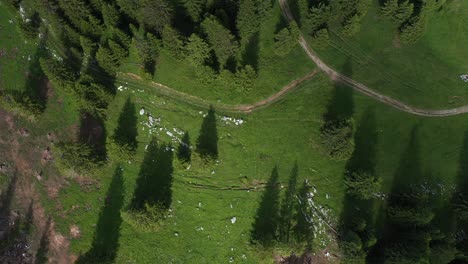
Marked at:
<point>248,21</point>
<point>408,231</point>
<point>317,18</point>
<point>58,72</point>
<point>106,237</point>
<point>94,97</point>
<point>352,247</point>
<point>442,249</point>
<point>398,12</point>
<point>111,15</point>
<point>414,29</point>
<point>76,156</point>
<point>173,42</point>
<point>362,185</point>
<point>30,26</point>
<point>197,51</point>
<point>265,226</point>
<point>207,142</point>
<point>148,51</point>
<point>286,39</point>
<point>221,40</point>
<point>81,16</point>
<point>245,78</point>
<point>337,130</point>
<point>154,14</point>
<point>460,200</point>
<point>195,8</point>
<point>154,183</point>
<point>106,60</point>
<point>336,137</point>
<point>321,39</point>
<point>126,132</point>
<point>184,151</point>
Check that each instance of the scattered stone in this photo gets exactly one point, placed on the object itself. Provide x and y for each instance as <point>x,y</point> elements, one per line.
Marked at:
<point>142,111</point>
<point>233,220</point>
<point>23,132</point>
<point>464,77</point>
<point>75,232</point>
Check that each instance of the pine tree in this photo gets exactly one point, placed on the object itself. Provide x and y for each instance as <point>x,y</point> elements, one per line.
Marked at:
<point>221,40</point>
<point>195,8</point>
<point>248,21</point>
<point>197,50</point>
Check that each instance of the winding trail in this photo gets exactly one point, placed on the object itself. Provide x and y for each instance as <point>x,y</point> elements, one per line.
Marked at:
<point>129,79</point>
<point>338,77</point>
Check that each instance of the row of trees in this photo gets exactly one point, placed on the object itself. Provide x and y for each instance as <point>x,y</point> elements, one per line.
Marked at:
<point>284,220</point>
<point>315,17</point>
<point>411,16</point>
<point>415,224</point>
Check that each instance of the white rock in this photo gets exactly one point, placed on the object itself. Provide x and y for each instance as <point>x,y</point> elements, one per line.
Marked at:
<point>169,134</point>
<point>142,111</point>
<point>233,220</point>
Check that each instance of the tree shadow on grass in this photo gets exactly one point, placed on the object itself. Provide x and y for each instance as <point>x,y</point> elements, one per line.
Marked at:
<point>36,86</point>
<point>33,95</point>
<point>303,230</point>
<point>337,129</point>
<point>341,106</point>
<point>154,183</point>
<point>364,158</point>
<point>250,55</point>
<point>287,206</point>
<point>106,237</point>
<point>8,195</point>
<point>93,133</point>
<point>357,218</point>
<point>101,76</point>
<point>43,249</point>
<point>408,213</point>
<point>460,196</point>
<point>264,229</point>
<point>126,131</point>
<point>282,23</point>
<point>184,151</point>
<point>207,142</point>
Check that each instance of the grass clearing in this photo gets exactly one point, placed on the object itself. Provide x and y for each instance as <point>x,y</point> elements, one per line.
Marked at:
<point>15,52</point>
<point>424,74</point>
<point>281,134</point>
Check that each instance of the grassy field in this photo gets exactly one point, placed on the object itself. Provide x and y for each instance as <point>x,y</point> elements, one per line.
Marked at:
<point>274,72</point>
<point>15,53</point>
<point>279,135</point>
<point>199,229</point>
<point>424,74</point>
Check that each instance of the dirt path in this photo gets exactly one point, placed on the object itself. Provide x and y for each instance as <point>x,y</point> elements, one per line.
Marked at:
<point>336,76</point>
<point>26,193</point>
<point>128,79</point>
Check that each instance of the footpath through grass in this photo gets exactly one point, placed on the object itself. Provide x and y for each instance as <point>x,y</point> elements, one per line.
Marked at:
<point>274,72</point>
<point>199,228</point>
<point>424,74</point>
